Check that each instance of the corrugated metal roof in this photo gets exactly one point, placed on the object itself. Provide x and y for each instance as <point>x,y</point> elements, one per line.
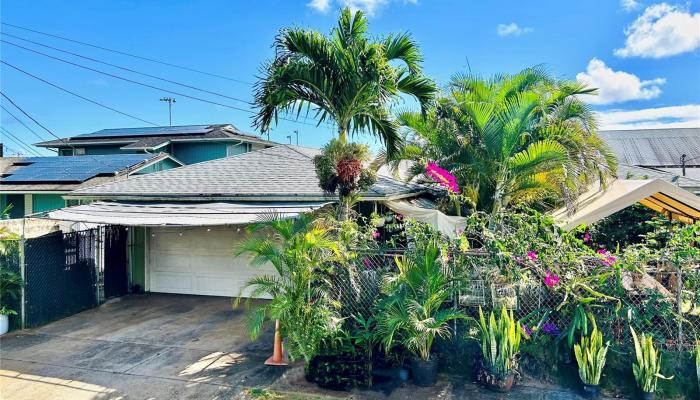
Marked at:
<point>636,172</point>
<point>282,171</point>
<point>655,147</point>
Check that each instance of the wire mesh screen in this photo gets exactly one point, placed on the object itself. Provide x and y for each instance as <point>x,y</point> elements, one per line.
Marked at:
<point>60,276</point>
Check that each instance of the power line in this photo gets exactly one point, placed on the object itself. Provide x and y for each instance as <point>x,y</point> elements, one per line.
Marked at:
<point>129,54</point>
<point>22,122</point>
<point>20,142</point>
<point>125,68</point>
<point>146,84</point>
<point>11,150</point>
<point>76,94</point>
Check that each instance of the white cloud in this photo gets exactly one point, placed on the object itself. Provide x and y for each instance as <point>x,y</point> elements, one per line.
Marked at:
<point>320,5</point>
<point>629,5</point>
<point>512,29</point>
<point>371,7</point>
<point>617,86</point>
<point>662,30</point>
<point>685,116</point>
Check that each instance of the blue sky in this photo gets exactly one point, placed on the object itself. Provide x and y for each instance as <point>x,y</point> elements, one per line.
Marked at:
<point>645,55</point>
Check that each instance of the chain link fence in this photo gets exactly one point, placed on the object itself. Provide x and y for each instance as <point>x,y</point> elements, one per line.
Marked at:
<point>664,302</point>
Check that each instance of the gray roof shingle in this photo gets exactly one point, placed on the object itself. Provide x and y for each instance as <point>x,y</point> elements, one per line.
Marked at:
<point>283,171</point>
<point>655,147</point>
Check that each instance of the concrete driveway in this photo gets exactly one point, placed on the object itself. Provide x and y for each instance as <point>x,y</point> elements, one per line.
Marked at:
<point>152,346</point>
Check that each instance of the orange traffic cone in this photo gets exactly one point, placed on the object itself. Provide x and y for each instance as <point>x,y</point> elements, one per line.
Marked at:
<point>278,357</point>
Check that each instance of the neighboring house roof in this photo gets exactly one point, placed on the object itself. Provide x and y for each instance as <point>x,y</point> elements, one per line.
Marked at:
<point>655,147</point>
<point>68,173</point>
<point>636,172</point>
<point>279,173</point>
<point>152,138</point>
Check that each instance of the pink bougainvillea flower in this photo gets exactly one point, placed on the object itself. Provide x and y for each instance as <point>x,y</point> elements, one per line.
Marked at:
<point>376,234</point>
<point>442,177</point>
<point>532,255</point>
<point>399,217</point>
<point>366,262</point>
<point>609,260</point>
<point>586,237</point>
<point>551,279</point>
<point>602,251</point>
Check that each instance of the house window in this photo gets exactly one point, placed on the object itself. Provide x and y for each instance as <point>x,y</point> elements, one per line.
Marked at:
<point>233,149</point>
<point>66,152</point>
<point>79,151</point>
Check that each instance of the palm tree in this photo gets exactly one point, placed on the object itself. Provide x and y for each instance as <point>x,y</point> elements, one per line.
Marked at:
<point>346,78</point>
<point>512,139</point>
<point>297,249</point>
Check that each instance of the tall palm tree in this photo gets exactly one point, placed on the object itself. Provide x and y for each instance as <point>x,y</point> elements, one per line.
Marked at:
<point>345,78</point>
<point>297,249</point>
<point>511,139</point>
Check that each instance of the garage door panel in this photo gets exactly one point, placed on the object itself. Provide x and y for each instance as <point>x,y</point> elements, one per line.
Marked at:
<point>168,261</point>
<point>201,260</point>
<point>171,282</point>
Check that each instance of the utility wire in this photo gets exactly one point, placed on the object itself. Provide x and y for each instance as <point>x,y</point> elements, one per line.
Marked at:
<point>22,122</point>
<point>10,149</point>
<point>129,54</point>
<point>76,94</point>
<point>146,84</point>
<point>19,141</point>
<point>125,68</point>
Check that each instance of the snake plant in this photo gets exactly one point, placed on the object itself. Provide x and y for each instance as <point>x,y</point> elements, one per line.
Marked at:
<point>648,364</point>
<point>500,341</point>
<point>590,356</point>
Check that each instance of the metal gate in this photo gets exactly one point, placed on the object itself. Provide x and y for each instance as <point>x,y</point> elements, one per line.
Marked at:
<point>60,276</point>
<point>116,263</point>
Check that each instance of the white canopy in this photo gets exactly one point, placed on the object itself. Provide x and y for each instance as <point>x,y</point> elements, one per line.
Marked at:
<point>656,194</point>
<point>179,214</point>
<point>447,225</point>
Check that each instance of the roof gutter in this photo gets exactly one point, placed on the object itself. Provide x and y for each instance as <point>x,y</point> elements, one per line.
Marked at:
<point>263,198</point>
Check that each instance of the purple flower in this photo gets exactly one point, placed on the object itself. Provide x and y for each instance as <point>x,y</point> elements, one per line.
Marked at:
<point>399,217</point>
<point>609,260</point>
<point>602,252</point>
<point>526,329</point>
<point>376,234</point>
<point>532,255</point>
<point>550,329</point>
<point>552,279</point>
<point>366,262</point>
<point>586,237</point>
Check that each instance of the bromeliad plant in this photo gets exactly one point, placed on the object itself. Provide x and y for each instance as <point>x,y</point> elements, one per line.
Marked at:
<point>590,356</point>
<point>298,249</point>
<point>500,342</point>
<point>648,363</point>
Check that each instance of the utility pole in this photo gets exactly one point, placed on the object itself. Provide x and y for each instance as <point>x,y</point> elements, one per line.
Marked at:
<point>683,160</point>
<point>170,102</point>
<point>297,134</point>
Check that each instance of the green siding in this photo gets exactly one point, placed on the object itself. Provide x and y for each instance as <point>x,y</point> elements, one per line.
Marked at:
<point>137,256</point>
<point>159,166</point>
<point>47,202</point>
<point>190,153</point>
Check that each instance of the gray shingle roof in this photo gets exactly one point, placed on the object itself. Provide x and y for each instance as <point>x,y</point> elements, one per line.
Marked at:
<point>655,147</point>
<point>280,172</point>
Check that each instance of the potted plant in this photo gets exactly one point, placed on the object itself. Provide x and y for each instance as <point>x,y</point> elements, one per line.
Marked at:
<point>412,313</point>
<point>500,344</point>
<point>10,286</point>
<point>647,365</point>
<point>590,356</point>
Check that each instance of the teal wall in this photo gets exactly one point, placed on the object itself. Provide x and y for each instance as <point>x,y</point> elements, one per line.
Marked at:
<point>47,202</point>
<point>159,166</point>
<point>190,153</point>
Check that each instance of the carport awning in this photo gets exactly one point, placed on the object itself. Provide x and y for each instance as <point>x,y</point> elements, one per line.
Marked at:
<point>182,214</point>
<point>656,194</point>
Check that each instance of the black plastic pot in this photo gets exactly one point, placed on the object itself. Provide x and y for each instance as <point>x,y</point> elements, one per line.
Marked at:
<point>648,395</point>
<point>424,372</point>
<point>591,391</point>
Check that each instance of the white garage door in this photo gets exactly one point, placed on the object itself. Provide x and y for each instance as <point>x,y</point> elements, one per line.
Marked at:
<point>199,261</point>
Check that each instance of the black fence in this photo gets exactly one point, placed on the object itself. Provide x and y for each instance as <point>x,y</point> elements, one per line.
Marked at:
<point>61,276</point>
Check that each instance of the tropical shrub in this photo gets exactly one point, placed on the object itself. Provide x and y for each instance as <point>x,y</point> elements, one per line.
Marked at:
<point>10,290</point>
<point>647,365</point>
<point>340,168</point>
<point>413,314</point>
<point>298,249</point>
<point>500,342</point>
<point>590,356</point>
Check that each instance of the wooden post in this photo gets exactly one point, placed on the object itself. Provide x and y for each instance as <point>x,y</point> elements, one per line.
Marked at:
<point>277,358</point>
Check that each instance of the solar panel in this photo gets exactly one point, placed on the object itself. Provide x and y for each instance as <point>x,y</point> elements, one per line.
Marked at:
<point>72,168</point>
<point>148,131</point>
